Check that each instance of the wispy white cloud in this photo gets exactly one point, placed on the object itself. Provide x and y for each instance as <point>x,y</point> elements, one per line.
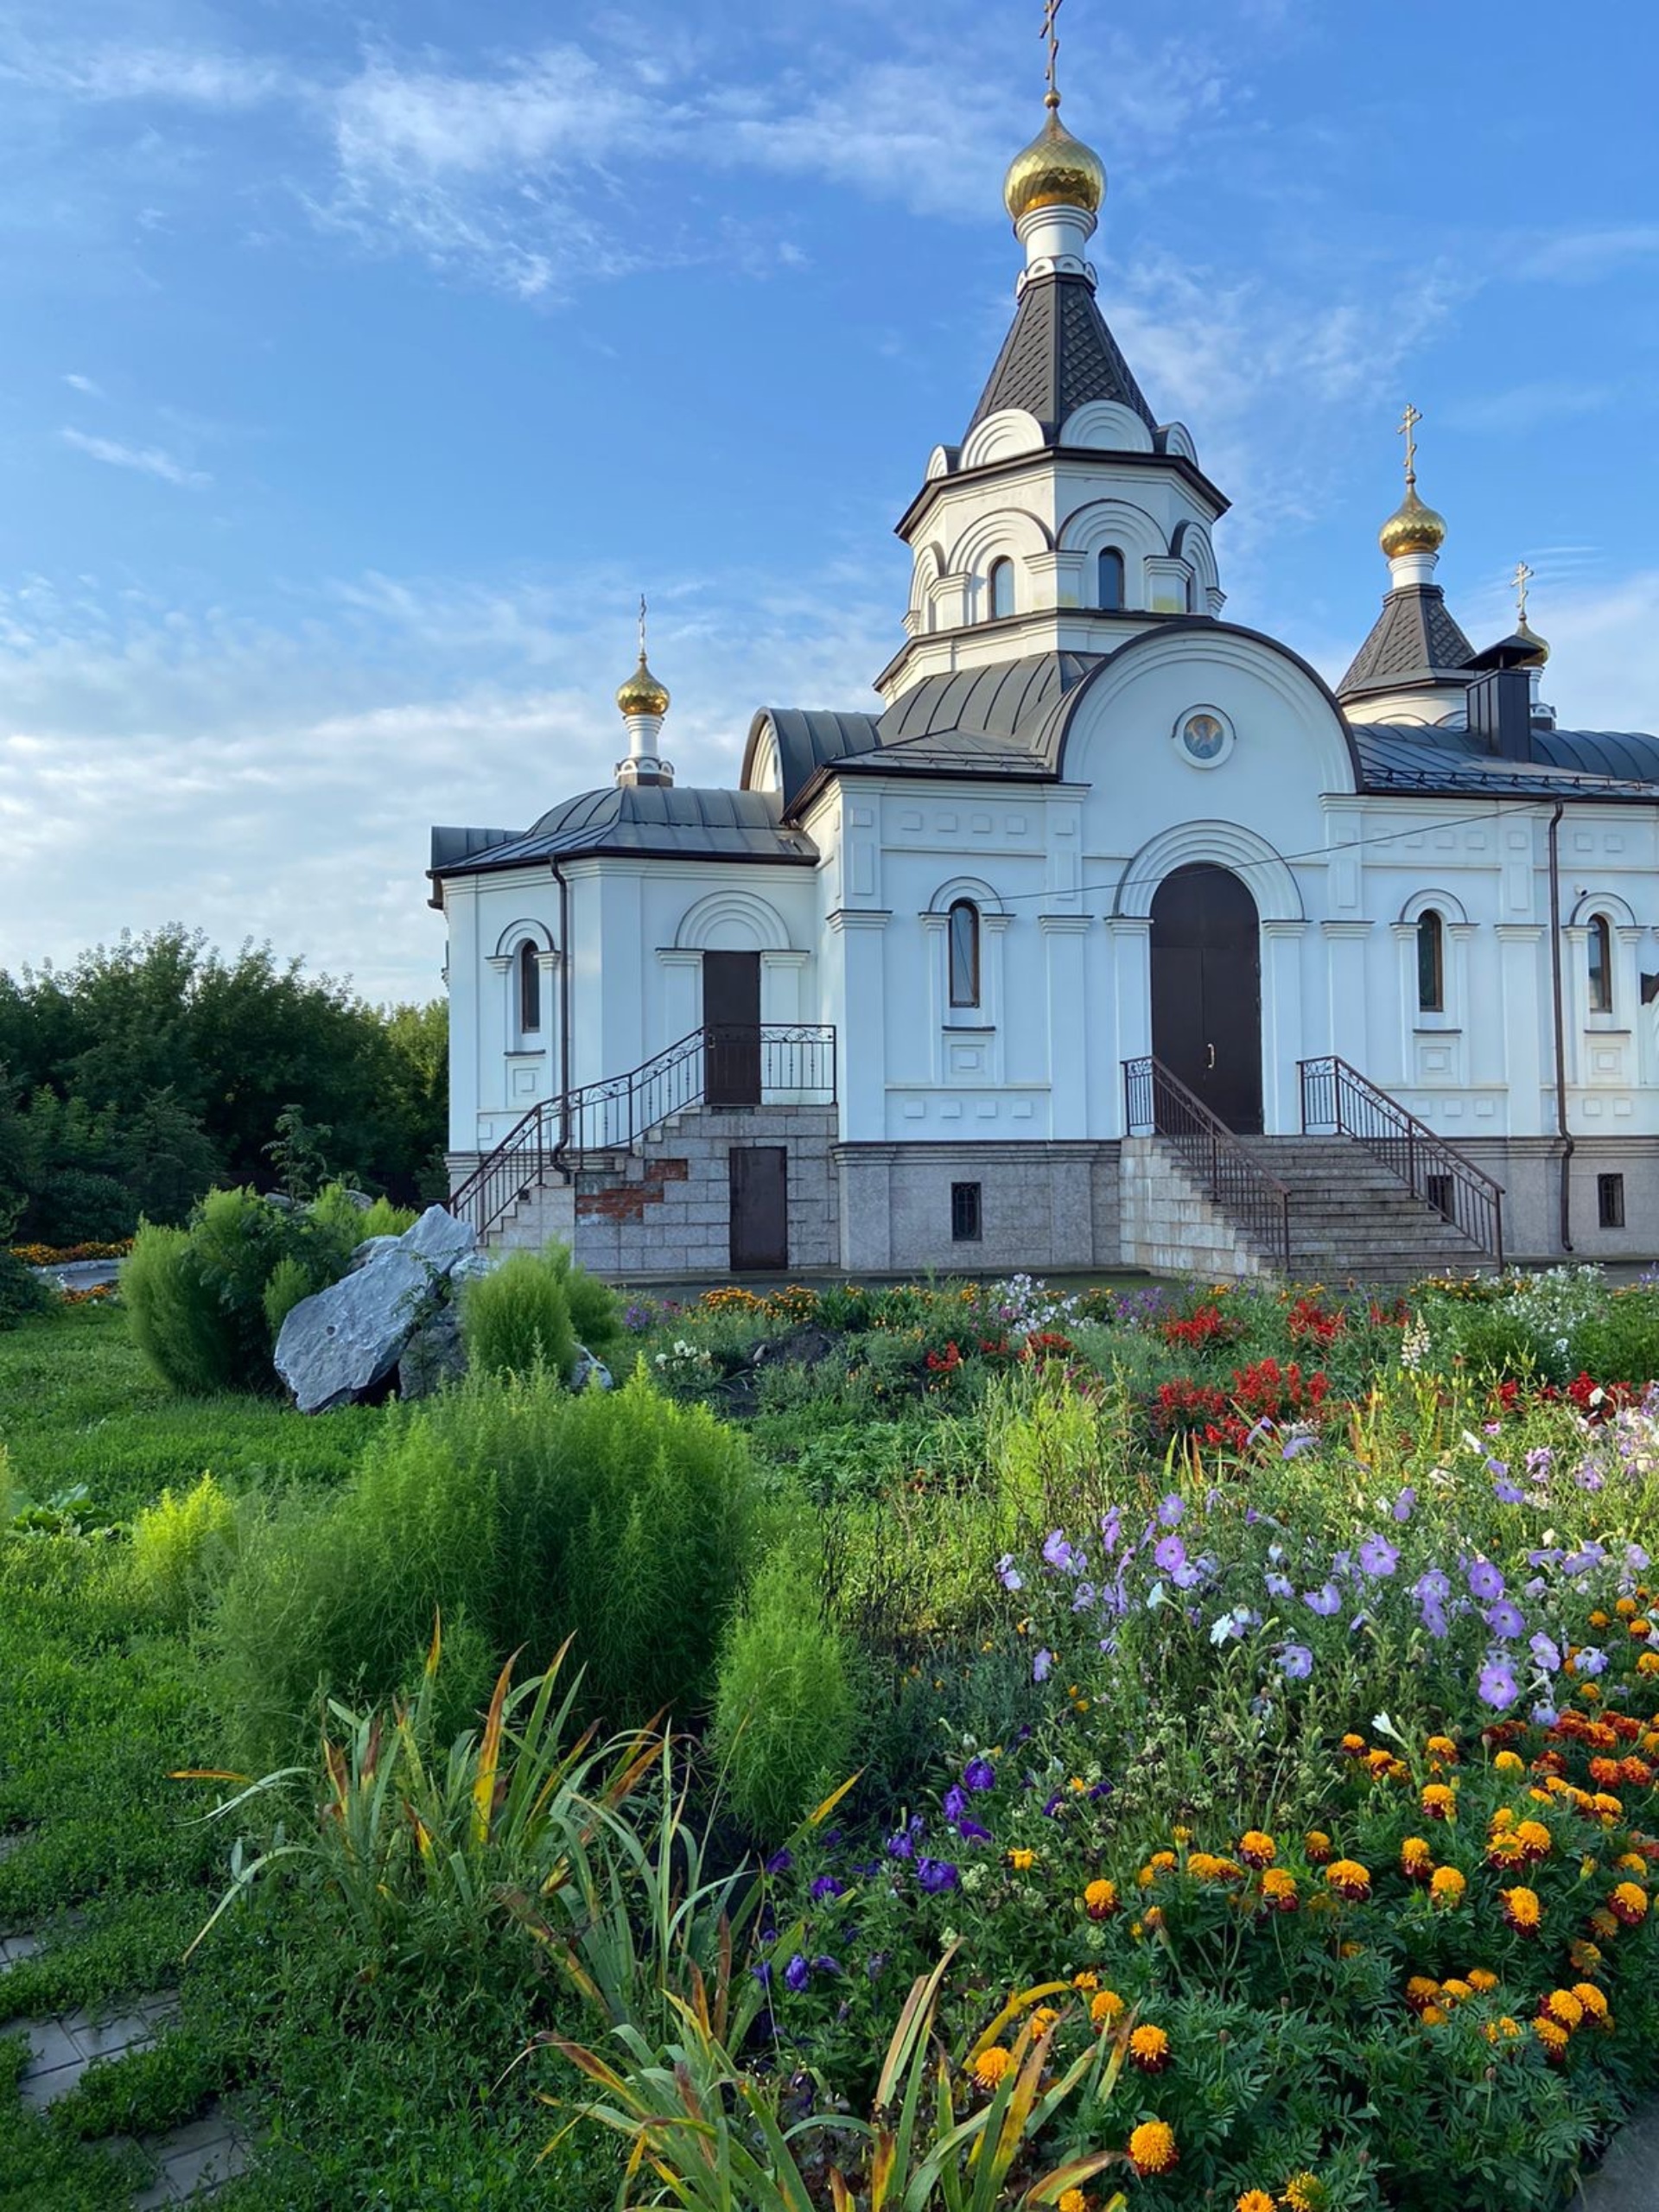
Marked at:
<point>83,384</point>
<point>147,460</point>
<point>192,76</point>
<point>1527,406</point>
<point>1585,255</point>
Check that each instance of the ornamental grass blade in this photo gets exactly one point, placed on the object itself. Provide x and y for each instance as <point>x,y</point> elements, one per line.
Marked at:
<point>208,1774</point>
<point>489,1757</point>
<point>913,2020</point>
<point>1053,2186</point>
<point>435,1649</point>
<point>841,2197</point>
<point>1020,2002</point>
<point>817,1819</point>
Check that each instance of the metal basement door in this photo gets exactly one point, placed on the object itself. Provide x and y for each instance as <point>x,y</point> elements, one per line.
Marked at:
<point>760,1206</point>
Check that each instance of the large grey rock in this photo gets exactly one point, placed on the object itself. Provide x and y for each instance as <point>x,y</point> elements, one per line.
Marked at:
<point>434,1355</point>
<point>371,1248</point>
<point>440,1239</point>
<point>339,1345</point>
<point>589,1373</point>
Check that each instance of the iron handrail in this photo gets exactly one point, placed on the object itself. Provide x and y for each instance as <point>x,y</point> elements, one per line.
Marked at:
<point>1338,1100</point>
<point>758,1060</point>
<point>1158,1103</point>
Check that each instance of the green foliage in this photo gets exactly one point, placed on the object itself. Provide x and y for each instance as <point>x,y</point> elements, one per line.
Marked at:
<point>181,1542</point>
<point>21,1291</point>
<point>784,1707</point>
<point>516,1319</point>
<point>298,1154</point>
<point>287,1284</point>
<point>177,1323</point>
<point>595,1309</point>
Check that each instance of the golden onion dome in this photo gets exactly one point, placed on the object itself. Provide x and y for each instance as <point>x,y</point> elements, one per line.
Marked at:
<point>1411,528</point>
<point>642,693</point>
<point>1540,645</point>
<point>1056,170</point>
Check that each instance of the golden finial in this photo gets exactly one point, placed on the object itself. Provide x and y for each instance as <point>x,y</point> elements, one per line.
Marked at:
<point>1050,32</point>
<point>1521,579</point>
<point>642,693</point>
<point>1056,170</point>
<point>1413,527</point>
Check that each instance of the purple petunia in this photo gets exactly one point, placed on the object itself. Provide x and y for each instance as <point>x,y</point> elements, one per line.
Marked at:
<point>1547,1653</point>
<point>1591,1663</point>
<point>956,1803</point>
<point>1059,1553</point>
<point>1170,1553</point>
<point>979,1774</point>
<point>1498,1686</point>
<point>1324,1601</point>
<point>1298,1445</point>
<point>1405,1504</point>
<point>827,1886</point>
<point>1485,1580</point>
<point>971,1832</point>
<point>1008,1574</point>
<point>1506,1619</point>
<point>1296,1662</point>
<point>780,1862</point>
<point>1506,1492</point>
<point>1278,1586</point>
<point>936,1875</point>
<point>1041,1665</point>
<point>797,1974</point>
<point>1378,1556</point>
<point>1171,1508</point>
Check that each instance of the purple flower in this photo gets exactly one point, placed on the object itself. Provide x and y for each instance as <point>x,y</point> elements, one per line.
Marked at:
<point>1434,1618</point>
<point>1008,1574</point>
<point>1547,1653</point>
<point>1296,1662</point>
<point>1591,1663</point>
<point>797,1974</point>
<point>979,1774</point>
<point>935,1875</point>
<point>1171,1509</point>
<point>1324,1601</point>
<point>826,1966</point>
<point>1280,1586</point>
<point>1378,1556</point>
<point>956,1804</point>
<point>1508,1493</point>
<point>1298,1445</point>
<point>1430,1583</point>
<point>900,1847</point>
<point>1540,1460</point>
<point>1111,1528</point>
<point>971,1832</point>
<point>780,1862</point>
<point>1544,1715</point>
<point>1498,1686</point>
<point>1496,1467</point>
<point>1506,1620</point>
<point>1485,1580</point>
<point>1405,1504</point>
<point>1057,1553</point>
<point>1170,1553</point>
<point>763,1973</point>
<point>827,1886</point>
<point>1589,1477</point>
<point>1041,1665</point>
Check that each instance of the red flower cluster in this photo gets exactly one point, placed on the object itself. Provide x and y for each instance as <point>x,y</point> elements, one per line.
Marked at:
<point>1596,1401</point>
<point>1308,1319</point>
<point>1265,1391</point>
<point>1047,1344</point>
<point>1209,1325</point>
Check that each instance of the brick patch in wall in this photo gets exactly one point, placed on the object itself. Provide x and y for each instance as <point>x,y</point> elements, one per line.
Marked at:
<point>667,1171</point>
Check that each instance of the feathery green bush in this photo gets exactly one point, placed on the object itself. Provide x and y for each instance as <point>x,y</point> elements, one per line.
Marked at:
<point>516,1317</point>
<point>783,1708</point>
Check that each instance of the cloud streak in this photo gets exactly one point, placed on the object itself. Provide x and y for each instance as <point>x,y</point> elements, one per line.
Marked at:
<point>145,461</point>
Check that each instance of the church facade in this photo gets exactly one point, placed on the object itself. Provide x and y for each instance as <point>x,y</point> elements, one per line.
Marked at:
<point>900,999</point>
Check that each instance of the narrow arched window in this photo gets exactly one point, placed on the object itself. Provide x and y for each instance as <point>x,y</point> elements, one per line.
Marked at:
<point>1601,964</point>
<point>964,953</point>
<point>1002,590</point>
<point>1431,964</point>
<point>1111,581</point>
<point>530,990</point>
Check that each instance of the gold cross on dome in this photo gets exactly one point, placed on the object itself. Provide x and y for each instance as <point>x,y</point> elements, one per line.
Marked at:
<point>642,626</point>
<point>1408,423</point>
<point>1521,579</point>
<point>1050,32</point>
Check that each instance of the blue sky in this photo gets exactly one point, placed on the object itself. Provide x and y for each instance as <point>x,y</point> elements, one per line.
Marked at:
<point>359,371</point>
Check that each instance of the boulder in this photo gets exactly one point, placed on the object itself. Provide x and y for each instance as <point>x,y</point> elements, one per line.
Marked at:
<point>369,1249</point>
<point>589,1373</point>
<point>434,1355</point>
<point>336,1346</point>
<point>440,1239</point>
<point>805,1346</point>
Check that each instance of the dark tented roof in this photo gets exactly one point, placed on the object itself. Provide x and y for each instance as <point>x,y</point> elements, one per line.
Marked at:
<point>1415,640</point>
<point>1399,757</point>
<point>1057,356</point>
<point>679,822</point>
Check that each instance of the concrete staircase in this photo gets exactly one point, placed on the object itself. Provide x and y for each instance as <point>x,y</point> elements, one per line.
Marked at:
<point>1351,1217</point>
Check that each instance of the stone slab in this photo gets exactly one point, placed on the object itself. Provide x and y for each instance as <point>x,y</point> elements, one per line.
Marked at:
<point>1627,2179</point>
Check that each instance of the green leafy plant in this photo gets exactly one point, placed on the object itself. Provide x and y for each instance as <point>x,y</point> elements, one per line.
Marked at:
<point>783,1708</point>
<point>181,1542</point>
<point>516,1319</point>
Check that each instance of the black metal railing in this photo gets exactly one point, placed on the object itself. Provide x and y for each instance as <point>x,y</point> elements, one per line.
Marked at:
<point>1157,1103</point>
<point>730,1066</point>
<point>1338,1101</point>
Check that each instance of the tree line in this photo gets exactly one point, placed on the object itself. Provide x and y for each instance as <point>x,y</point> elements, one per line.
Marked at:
<point>153,1069</point>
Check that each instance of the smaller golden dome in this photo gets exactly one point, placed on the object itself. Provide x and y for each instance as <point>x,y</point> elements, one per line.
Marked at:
<point>1411,528</point>
<point>1541,645</point>
<point>642,693</point>
<point>1056,170</point>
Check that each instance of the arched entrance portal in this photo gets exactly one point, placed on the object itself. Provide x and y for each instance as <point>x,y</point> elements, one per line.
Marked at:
<point>1206,990</point>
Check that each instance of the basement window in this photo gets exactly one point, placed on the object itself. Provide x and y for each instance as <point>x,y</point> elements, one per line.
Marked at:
<point>1610,1201</point>
<point>965,1213</point>
<point>1440,1194</point>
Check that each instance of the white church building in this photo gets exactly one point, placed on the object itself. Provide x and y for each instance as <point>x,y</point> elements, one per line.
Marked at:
<point>1112,936</point>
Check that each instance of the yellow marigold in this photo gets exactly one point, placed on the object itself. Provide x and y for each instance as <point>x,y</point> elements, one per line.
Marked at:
<point>1160,1863</point>
<point>1442,1747</point>
<point>1350,1880</point>
<point>1446,1885</point>
<point>1305,2193</point>
<point>1149,2049</point>
<point>1316,1845</point>
<point>1482,1979</point>
<point>1551,2034</point>
<point>1257,1849</point>
<point>1624,1607</point>
<point>1279,1889</point>
<point>1105,2007</point>
<point>1254,2200</point>
<point>1592,2001</point>
<point>1509,1762</point>
<point>1631,1862</point>
<point>1604,1924</point>
<point>1599,1619</point>
<point>1503,2030</point>
<point>1420,1990</point>
<point>1454,1991</point>
<point>1072,2200</point>
<point>1022,1860</point>
<point>1564,2008</point>
<point>1416,1860</point>
<point>990,2066</point>
<point>1439,1800</point>
<point>1203,1867</point>
<point>1608,1806</point>
<point>1379,1761</point>
<point>1154,1917</point>
<point>1534,1838</point>
<point>1355,1746</point>
<point>1629,1903</point>
<point>1085,1981</point>
<point>1152,2148</point>
<point>1503,1818</point>
<point>1521,1909</point>
<point>1043,2019</point>
<point>1648,1663</point>
<point>1100,1900</point>
<point>1182,1836</point>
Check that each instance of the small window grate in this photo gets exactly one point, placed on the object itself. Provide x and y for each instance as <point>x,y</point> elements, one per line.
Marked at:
<point>1440,1194</point>
<point>1610,1201</point>
<point>965,1213</point>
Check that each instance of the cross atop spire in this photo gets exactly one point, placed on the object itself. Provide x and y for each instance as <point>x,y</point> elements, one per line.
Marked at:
<point>642,626</point>
<point>1521,579</point>
<point>1050,32</point>
<point>1408,423</point>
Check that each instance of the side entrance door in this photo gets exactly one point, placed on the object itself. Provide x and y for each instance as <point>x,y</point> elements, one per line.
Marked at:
<point>731,1029</point>
<point>1206,991</point>
<point>760,1206</point>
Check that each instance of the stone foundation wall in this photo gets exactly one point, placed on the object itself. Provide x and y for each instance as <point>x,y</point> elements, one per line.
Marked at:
<point>1048,1208</point>
<point>1170,1226</point>
<point>1529,1170</point>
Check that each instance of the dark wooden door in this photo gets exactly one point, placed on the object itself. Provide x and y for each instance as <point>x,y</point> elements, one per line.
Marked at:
<point>731,1022</point>
<point>760,1206</point>
<point>1206,991</point>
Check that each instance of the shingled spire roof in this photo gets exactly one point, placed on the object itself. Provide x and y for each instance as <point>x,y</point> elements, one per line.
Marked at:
<point>1057,356</point>
<point>1414,640</point>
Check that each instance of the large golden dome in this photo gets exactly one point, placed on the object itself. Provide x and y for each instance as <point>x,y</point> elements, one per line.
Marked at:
<point>1056,170</point>
<point>642,693</point>
<point>1411,528</point>
<point>1541,645</point>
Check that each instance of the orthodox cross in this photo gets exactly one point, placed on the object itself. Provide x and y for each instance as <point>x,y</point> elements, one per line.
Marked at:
<point>1521,579</point>
<point>642,626</point>
<point>1408,423</point>
<point>1051,10</point>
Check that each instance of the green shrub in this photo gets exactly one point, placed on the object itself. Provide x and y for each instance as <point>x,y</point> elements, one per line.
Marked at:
<point>176,1321</point>
<point>516,1317</point>
<point>783,1708</point>
<point>1621,1343</point>
<point>595,1310</point>
<point>288,1285</point>
<point>180,1542</point>
<point>22,1291</point>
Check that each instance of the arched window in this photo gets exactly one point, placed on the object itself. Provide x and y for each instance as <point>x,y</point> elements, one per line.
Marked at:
<point>1002,588</point>
<point>1431,964</point>
<point>964,953</point>
<point>1111,580</point>
<point>1600,949</point>
<point>530,990</point>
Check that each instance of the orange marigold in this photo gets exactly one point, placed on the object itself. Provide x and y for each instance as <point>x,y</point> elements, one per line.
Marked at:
<point>1100,1900</point>
<point>1442,1747</point>
<point>1355,1745</point>
<point>1317,1846</point>
<point>1503,2030</point>
<point>1254,2200</point>
<point>1022,1861</point>
<point>1279,1889</point>
<point>1629,1903</point>
<point>1454,1991</point>
<point>1149,2049</point>
<point>1105,2007</point>
<point>1593,2004</point>
<point>1564,2008</point>
<point>1439,1800</point>
<point>1552,2036</point>
<point>1420,1990</point>
<point>1152,2148</point>
<point>1072,2200</point>
<point>1257,1849</point>
<point>1416,1860</point>
<point>1482,1979</point>
<point>1446,1886</point>
<point>1509,1762</point>
<point>1350,1880</point>
<point>990,2066</point>
<point>1522,1910</point>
